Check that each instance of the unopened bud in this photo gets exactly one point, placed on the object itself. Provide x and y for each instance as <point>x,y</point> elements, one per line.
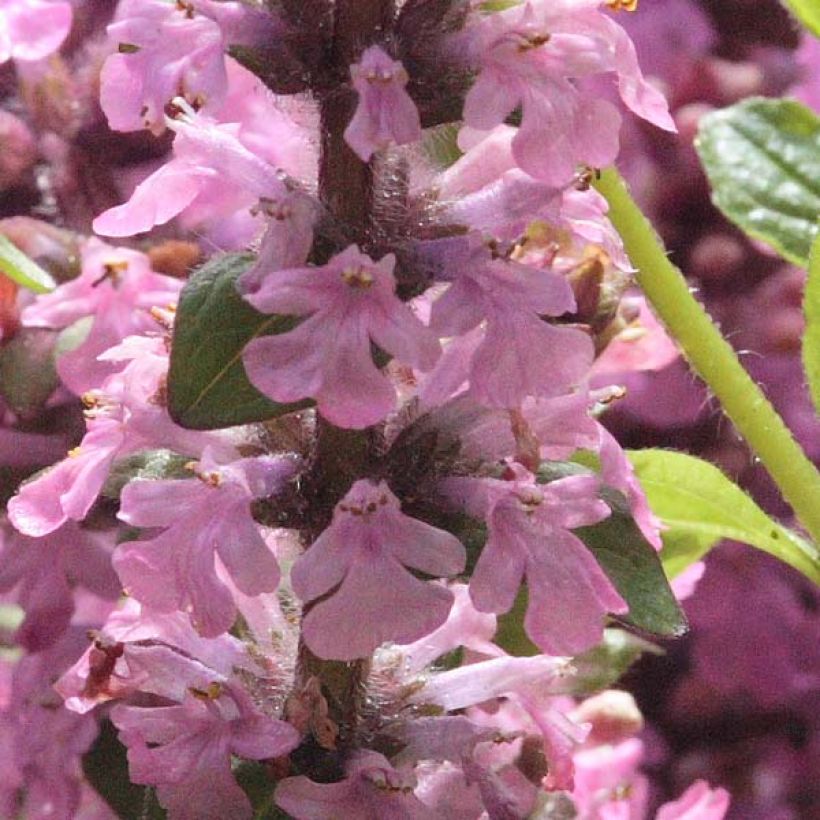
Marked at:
<point>614,716</point>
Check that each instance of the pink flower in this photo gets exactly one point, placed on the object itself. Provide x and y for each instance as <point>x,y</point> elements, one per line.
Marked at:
<point>122,418</point>
<point>32,29</point>
<point>287,240</point>
<point>68,489</point>
<point>465,626</point>
<point>210,170</point>
<point>608,781</point>
<point>698,802</point>
<point>186,750</point>
<point>529,686</point>
<point>117,288</point>
<point>201,517</point>
<point>529,537</point>
<point>166,50</point>
<point>366,551</point>
<point>385,113</point>
<point>46,570</point>
<point>617,472</point>
<point>350,302</point>
<point>519,354</point>
<point>535,56</point>
<point>372,788</point>
<point>141,650</point>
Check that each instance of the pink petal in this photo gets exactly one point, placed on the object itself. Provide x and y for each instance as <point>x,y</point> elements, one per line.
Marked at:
<point>359,617</point>
<point>489,100</point>
<point>155,201</point>
<point>569,597</point>
<point>35,29</point>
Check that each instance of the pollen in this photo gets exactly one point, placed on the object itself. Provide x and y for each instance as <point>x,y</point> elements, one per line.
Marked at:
<point>112,272</point>
<point>530,41</point>
<point>212,692</point>
<point>357,277</point>
<point>622,5</point>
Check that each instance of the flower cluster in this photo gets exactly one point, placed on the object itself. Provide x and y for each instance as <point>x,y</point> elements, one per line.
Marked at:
<point>321,566</point>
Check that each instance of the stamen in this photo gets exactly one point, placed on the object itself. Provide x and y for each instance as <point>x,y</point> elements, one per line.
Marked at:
<point>359,278</point>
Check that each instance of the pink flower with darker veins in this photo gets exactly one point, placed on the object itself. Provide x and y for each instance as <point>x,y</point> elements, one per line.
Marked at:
<point>519,354</point>
<point>369,548</point>
<point>211,170</point>
<point>118,289</point>
<point>538,56</point>
<point>372,788</point>
<point>385,113</point>
<point>185,750</point>
<point>529,535</point>
<point>166,50</point>
<point>350,302</point>
<point>202,517</point>
<point>32,29</point>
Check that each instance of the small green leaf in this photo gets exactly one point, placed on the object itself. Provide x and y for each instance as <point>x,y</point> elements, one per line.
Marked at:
<point>694,497</point>
<point>440,144</point>
<point>635,570</point>
<point>149,465</point>
<point>807,12</point>
<point>762,157</point>
<point>811,338</point>
<point>207,385</point>
<point>603,665</point>
<point>510,634</point>
<point>257,782</point>
<point>26,272</point>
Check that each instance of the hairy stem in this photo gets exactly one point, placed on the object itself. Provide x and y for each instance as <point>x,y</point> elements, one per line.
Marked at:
<point>341,456</point>
<point>712,358</point>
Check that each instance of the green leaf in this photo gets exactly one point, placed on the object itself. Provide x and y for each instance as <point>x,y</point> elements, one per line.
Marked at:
<point>762,157</point>
<point>807,12</point>
<point>633,566</point>
<point>149,465</point>
<point>26,272</point>
<point>811,338</point>
<point>510,634</point>
<point>258,783</point>
<point>207,385</point>
<point>694,497</point>
<point>681,549</point>
<point>603,665</point>
<point>440,144</point>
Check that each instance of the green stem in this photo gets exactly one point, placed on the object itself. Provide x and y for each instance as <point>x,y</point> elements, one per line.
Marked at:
<point>711,356</point>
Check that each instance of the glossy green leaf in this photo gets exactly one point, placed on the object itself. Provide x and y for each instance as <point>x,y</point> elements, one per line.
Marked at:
<point>628,559</point>
<point>807,12</point>
<point>811,338</point>
<point>692,496</point>
<point>24,271</point>
<point>635,569</point>
<point>762,157</point>
<point>207,384</point>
